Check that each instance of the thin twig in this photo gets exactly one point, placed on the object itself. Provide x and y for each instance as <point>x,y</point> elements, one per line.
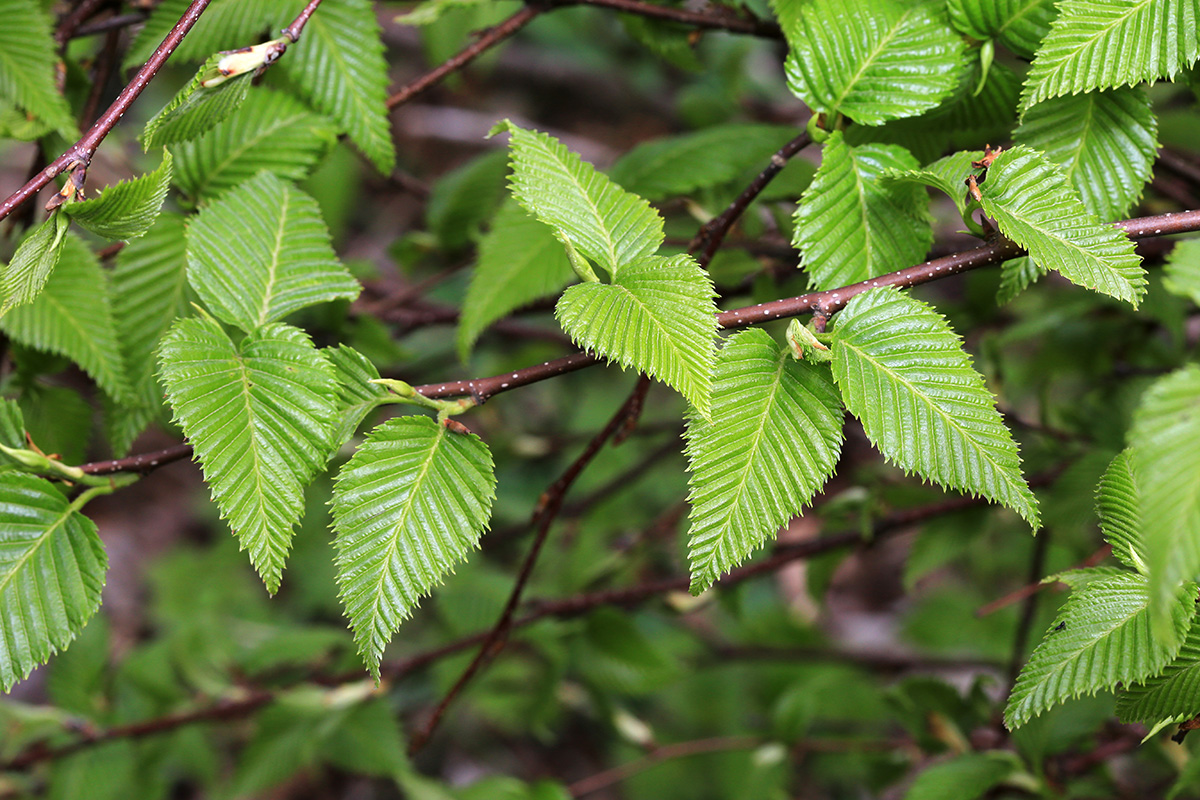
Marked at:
<point>143,462</point>
<point>74,18</point>
<point>730,22</point>
<point>82,151</point>
<point>109,24</point>
<point>487,40</point>
<point>294,30</point>
<point>667,752</point>
<point>544,514</point>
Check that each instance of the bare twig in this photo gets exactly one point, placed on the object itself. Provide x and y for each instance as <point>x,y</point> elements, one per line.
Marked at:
<point>74,18</point>
<point>294,30</point>
<point>110,24</point>
<point>657,755</point>
<point>706,20</point>
<point>143,462</point>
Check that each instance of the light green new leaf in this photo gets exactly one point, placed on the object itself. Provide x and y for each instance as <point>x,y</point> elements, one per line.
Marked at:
<point>1118,504</point>
<point>1165,438</point>
<point>338,67</point>
<point>851,225</point>
<point>261,252</point>
<point>904,374</point>
<point>1100,638</point>
<point>1182,273</point>
<point>261,416</point>
<point>1102,44</point>
<point>679,165</point>
<point>947,175</point>
<point>408,506</point>
<point>128,209</point>
<point>73,317</point>
<point>1105,143</point>
<point>965,777</point>
<point>28,60</point>
<point>149,292</point>
<point>658,317</point>
<point>608,225</point>
<point>196,108</point>
<point>271,131</point>
<point>52,568</point>
<point>773,441</point>
<point>33,262</point>
<point>357,396</point>
<point>1033,205</point>
<point>1172,694</point>
<point>1020,25</point>
<point>873,60</point>
<point>519,261</point>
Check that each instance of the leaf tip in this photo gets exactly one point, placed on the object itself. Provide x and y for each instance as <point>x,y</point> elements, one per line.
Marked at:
<point>503,126</point>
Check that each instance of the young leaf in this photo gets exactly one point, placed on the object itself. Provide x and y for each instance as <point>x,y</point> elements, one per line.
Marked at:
<point>1104,142</point>
<point>850,225</point>
<point>519,261</point>
<point>658,317</point>
<point>357,396</point>
<point>28,60</point>
<point>33,262</point>
<point>149,292</point>
<point>1183,270</point>
<point>608,225</point>
<point>52,568</point>
<point>73,317</point>
<point>128,209</point>
<point>261,252</point>
<point>196,108</point>
<point>773,441</point>
<point>1166,462</point>
<point>1100,638</point>
<point>260,415</point>
<point>1102,44</point>
<point>1017,275</point>
<point>1172,694</point>
<point>1030,200</point>
<point>873,60</point>
<point>947,174</point>
<point>1118,504</point>
<point>965,777</point>
<point>271,131</point>
<point>904,374</point>
<point>338,67</point>
<point>1020,25</point>
<point>407,507</point>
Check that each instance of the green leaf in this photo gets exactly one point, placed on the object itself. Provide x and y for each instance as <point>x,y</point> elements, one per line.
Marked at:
<point>196,108</point>
<point>35,259</point>
<point>225,24</point>
<point>1020,25</point>
<point>12,431</point>
<point>608,225</point>
<point>850,225</point>
<point>964,777</point>
<point>407,507</point>
<point>1182,273</point>
<point>73,317</point>
<point>1017,275</point>
<point>338,67</point>
<point>1102,637</point>
<point>1172,694</point>
<point>947,175</point>
<point>357,396</point>
<point>261,252</point>
<point>679,165</point>
<point>658,317</point>
<point>464,198</point>
<point>431,11</point>
<point>774,439</point>
<point>1105,143</point>
<point>261,416</point>
<point>519,261</point>
<point>873,60</point>
<point>904,374</point>
<point>1118,504</point>
<point>128,209</point>
<point>149,292</point>
<point>271,131</point>
<point>1033,205</point>
<point>1101,44</point>
<point>52,568</point>
<point>1165,438</point>
<point>28,62</point>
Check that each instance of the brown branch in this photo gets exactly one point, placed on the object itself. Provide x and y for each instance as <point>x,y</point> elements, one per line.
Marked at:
<point>544,514</point>
<point>294,30</point>
<point>82,151</point>
<point>109,24</point>
<point>487,40</point>
<point>729,22</point>
<point>657,755</point>
<point>143,462</point>
<point>74,18</point>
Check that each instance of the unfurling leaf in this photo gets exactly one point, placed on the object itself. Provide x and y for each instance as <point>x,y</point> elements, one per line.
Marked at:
<point>1119,506</point>
<point>128,209</point>
<point>773,441</point>
<point>35,259</point>
<point>904,374</point>
<point>196,108</point>
<point>408,506</point>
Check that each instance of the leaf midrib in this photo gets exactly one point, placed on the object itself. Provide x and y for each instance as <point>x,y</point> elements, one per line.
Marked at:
<point>34,545</point>
<point>264,312</point>
<point>870,60</point>
<point>591,204</point>
<point>260,134</point>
